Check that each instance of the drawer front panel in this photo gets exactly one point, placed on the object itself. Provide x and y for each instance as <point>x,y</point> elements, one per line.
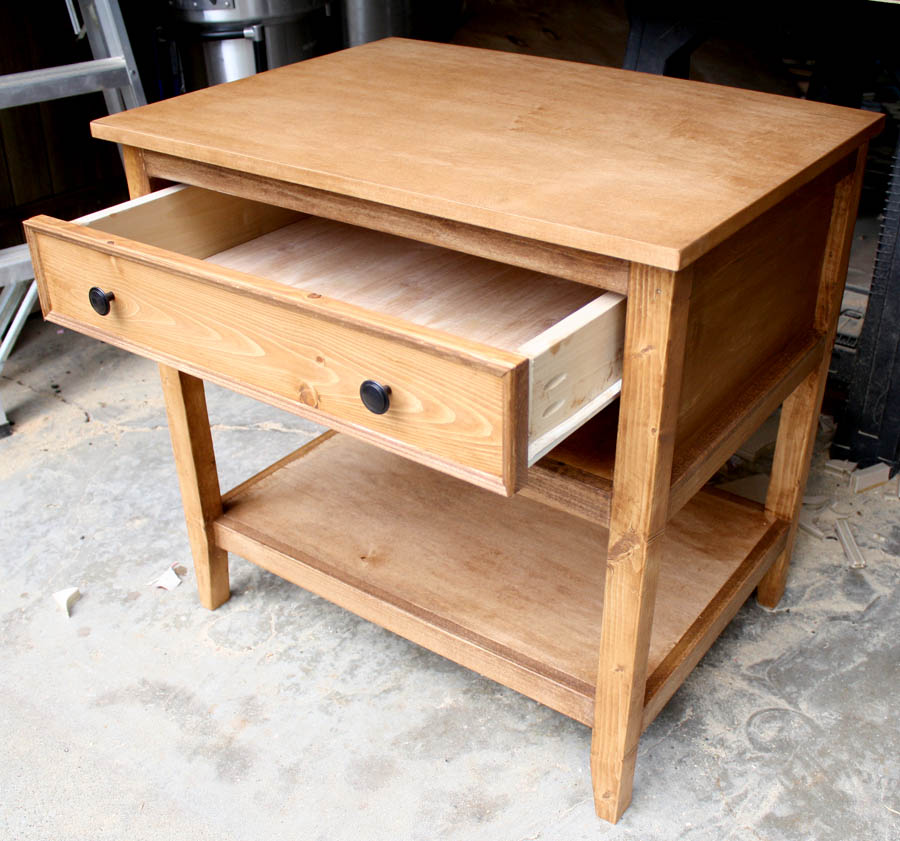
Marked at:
<point>447,412</point>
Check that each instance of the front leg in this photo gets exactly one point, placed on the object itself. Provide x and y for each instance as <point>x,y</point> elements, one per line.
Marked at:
<point>655,333</point>
<point>195,462</point>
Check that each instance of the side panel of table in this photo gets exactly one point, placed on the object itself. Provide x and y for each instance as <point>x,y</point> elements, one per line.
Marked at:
<point>752,331</point>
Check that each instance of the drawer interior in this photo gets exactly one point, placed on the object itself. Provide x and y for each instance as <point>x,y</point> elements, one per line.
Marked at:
<point>470,297</point>
<point>571,333</point>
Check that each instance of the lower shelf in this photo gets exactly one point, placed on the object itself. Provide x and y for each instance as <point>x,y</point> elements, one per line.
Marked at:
<point>508,587</point>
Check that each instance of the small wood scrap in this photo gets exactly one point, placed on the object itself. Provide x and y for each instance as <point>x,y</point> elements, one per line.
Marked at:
<point>752,487</point>
<point>808,518</point>
<point>169,580</point>
<point>849,545</point>
<point>66,598</point>
<point>842,509</point>
<point>824,518</point>
<point>870,477</point>
<point>839,467</point>
<point>807,523</point>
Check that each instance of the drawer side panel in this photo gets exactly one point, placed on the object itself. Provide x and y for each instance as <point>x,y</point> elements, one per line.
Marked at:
<point>576,371</point>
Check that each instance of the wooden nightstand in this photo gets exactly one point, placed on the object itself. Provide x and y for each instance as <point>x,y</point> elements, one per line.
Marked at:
<point>426,248</point>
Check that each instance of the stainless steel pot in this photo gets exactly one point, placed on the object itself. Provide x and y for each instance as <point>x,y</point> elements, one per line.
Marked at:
<point>241,37</point>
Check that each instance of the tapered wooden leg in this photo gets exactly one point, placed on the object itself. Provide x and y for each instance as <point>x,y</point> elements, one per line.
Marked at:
<point>139,183</point>
<point>196,466</point>
<point>655,331</point>
<point>135,172</point>
<point>800,412</point>
<point>195,460</point>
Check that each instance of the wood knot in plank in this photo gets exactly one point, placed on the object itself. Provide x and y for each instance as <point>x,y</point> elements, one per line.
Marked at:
<point>623,547</point>
<point>308,395</point>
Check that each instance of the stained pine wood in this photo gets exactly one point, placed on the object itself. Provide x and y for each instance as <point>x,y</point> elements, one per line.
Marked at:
<point>578,472</point>
<point>565,153</point>
<point>569,489</point>
<point>668,675</point>
<point>135,171</point>
<point>468,412</point>
<point>699,457</point>
<point>718,197</point>
<point>655,333</point>
<point>189,430</point>
<point>753,337</point>
<point>478,578</point>
<point>800,412</point>
<point>195,463</point>
<point>571,332</point>
<point>254,287</point>
<point>549,258</point>
<point>752,297</point>
<point>138,177</point>
<point>448,411</point>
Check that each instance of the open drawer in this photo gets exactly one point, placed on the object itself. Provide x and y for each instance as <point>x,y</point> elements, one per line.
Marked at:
<point>473,367</point>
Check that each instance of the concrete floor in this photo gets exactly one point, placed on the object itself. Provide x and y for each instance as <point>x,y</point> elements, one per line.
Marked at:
<point>280,716</point>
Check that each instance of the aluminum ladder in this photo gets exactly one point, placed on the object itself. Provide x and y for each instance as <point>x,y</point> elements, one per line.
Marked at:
<point>113,72</point>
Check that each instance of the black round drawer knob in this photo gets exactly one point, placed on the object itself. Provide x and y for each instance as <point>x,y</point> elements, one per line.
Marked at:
<point>100,300</point>
<point>375,396</point>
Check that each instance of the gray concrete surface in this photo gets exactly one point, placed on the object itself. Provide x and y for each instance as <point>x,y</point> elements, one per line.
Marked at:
<point>280,716</point>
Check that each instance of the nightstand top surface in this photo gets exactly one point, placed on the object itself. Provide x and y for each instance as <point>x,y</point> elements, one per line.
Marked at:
<point>631,165</point>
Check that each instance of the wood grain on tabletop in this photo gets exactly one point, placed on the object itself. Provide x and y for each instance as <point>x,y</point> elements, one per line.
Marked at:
<point>645,168</point>
<point>478,578</point>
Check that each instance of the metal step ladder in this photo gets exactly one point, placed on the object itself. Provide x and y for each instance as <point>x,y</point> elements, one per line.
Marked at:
<point>113,72</point>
